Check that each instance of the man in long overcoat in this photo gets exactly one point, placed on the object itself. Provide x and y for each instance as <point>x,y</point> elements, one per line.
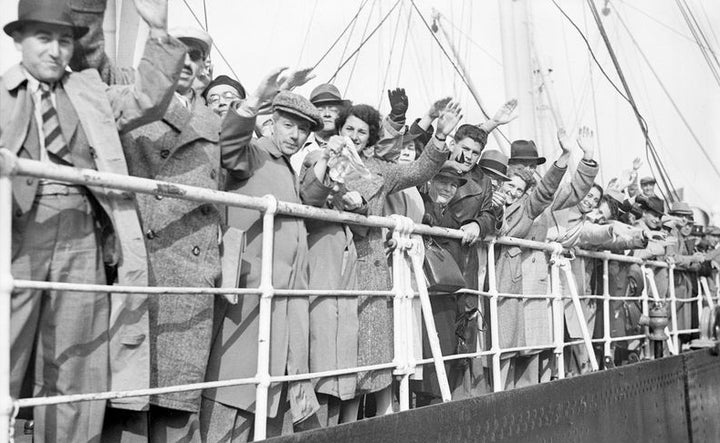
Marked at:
<point>72,119</point>
<point>259,167</point>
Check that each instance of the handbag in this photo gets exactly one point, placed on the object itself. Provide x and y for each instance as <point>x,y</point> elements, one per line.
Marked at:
<point>442,273</point>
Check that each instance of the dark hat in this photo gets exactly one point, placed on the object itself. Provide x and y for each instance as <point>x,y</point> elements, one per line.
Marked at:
<point>298,106</point>
<point>327,93</point>
<point>680,208</point>
<point>712,230</point>
<point>651,204</point>
<point>193,36</point>
<point>52,12</point>
<point>647,181</point>
<point>451,172</point>
<point>525,150</point>
<point>225,80</point>
<point>494,163</point>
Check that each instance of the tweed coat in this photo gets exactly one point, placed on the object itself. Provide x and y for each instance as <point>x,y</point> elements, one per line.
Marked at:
<point>333,320</point>
<point>685,275</point>
<point>257,167</point>
<point>375,338</point>
<point>182,242</point>
<point>535,263</point>
<point>102,111</point>
<point>518,220</point>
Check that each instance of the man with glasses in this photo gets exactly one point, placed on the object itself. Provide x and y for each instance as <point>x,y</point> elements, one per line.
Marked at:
<point>222,91</point>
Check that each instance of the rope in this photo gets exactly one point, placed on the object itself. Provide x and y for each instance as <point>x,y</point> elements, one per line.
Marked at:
<point>350,23</point>
<point>405,40</point>
<point>217,48</point>
<point>355,61</point>
<point>307,32</point>
<point>389,62</point>
<point>207,27</point>
<point>708,59</point>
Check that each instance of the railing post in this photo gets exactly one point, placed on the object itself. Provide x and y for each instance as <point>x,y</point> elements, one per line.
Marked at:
<point>645,306</point>
<point>607,344</point>
<point>6,287</point>
<point>494,329</point>
<point>265,314</point>
<point>673,306</point>
<point>558,314</point>
<point>401,326</point>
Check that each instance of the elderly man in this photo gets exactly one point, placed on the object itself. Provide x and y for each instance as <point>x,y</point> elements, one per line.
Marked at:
<point>259,167</point>
<point>221,92</point>
<point>181,238</point>
<point>647,186</point>
<point>71,118</point>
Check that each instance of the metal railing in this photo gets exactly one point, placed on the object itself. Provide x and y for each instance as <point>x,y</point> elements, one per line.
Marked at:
<point>407,261</point>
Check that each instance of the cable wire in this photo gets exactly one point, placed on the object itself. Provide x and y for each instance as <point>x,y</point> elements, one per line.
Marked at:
<point>350,23</point>
<point>389,61</point>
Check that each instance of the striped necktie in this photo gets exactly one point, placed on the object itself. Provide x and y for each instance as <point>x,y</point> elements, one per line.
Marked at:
<point>54,140</point>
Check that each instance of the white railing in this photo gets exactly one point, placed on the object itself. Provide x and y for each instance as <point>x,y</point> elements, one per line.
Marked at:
<point>407,257</point>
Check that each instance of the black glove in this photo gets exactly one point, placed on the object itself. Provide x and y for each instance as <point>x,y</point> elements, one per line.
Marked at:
<point>398,104</point>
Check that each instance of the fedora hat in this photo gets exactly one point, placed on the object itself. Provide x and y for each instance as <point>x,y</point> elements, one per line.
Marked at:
<point>494,163</point>
<point>51,12</point>
<point>680,208</point>
<point>651,204</point>
<point>327,93</point>
<point>525,151</point>
<point>450,172</point>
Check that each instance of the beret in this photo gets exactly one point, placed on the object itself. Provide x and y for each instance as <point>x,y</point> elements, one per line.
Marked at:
<point>298,106</point>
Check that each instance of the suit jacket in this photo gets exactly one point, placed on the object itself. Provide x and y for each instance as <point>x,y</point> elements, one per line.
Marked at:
<point>101,112</point>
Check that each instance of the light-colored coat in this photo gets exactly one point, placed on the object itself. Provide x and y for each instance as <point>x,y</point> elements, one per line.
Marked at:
<point>102,111</point>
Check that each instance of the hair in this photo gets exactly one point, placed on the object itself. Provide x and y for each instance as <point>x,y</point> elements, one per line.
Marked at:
<point>613,205</point>
<point>525,175</point>
<point>599,188</point>
<point>366,113</point>
<point>472,132</point>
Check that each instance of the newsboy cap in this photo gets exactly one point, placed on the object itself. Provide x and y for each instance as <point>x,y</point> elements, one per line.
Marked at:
<point>298,106</point>
<point>451,172</point>
<point>647,181</point>
<point>51,12</point>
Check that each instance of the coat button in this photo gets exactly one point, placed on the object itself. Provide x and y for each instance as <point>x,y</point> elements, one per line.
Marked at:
<point>377,263</point>
<point>213,174</point>
<point>165,153</point>
<point>150,234</point>
<point>29,181</point>
<point>18,212</point>
<point>196,251</point>
<point>93,154</point>
<point>205,209</point>
<point>159,197</point>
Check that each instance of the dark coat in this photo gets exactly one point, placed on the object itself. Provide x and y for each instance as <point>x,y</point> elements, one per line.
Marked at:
<point>375,340</point>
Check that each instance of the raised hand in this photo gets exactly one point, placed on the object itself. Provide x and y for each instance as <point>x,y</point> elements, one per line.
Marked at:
<point>437,107</point>
<point>295,78</point>
<point>154,13</point>
<point>449,118</point>
<point>586,141</point>
<point>637,163</point>
<point>504,115</point>
<point>398,102</point>
<point>267,88</point>
<point>563,140</point>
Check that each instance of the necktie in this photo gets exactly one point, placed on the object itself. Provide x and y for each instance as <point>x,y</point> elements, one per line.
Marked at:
<point>54,140</point>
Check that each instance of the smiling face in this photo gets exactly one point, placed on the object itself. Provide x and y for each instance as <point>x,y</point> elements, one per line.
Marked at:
<point>219,98</point>
<point>357,130</point>
<point>466,153</point>
<point>590,202</point>
<point>289,133</point>
<point>407,153</point>
<point>513,189</point>
<point>442,189</point>
<point>651,219</point>
<point>46,50</point>
<point>648,189</point>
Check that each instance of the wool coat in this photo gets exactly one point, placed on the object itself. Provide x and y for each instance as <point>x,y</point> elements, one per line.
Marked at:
<point>518,220</point>
<point>101,112</point>
<point>375,338</point>
<point>535,267</point>
<point>256,167</point>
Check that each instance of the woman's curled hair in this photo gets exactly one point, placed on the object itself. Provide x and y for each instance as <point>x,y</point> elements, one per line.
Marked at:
<point>366,113</point>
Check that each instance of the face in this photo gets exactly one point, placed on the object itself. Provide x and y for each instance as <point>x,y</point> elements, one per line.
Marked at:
<point>357,130</point>
<point>219,98</point>
<point>513,189</point>
<point>590,202</point>
<point>442,189</point>
<point>604,212</point>
<point>686,229</point>
<point>289,134</point>
<point>651,219</point>
<point>194,64</point>
<point>466,153</point>
<point>648,189</point>
<point>408,153</point>
<point>521,165</point>
<point>329,113</point>
<point>46,50</point>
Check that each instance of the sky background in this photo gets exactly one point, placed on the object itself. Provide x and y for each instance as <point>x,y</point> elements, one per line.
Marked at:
<point>256,36</point>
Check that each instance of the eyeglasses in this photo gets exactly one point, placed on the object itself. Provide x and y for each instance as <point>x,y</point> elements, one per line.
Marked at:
<point>227,95</point>
<point>195,54</point>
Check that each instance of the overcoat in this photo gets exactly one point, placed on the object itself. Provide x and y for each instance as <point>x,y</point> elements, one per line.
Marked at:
<point>102,111</point>
<point>375,338</point>
<point>257,167</point>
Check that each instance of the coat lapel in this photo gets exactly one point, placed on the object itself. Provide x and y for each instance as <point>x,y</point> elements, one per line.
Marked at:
<point>192,126</point>
<point>15,119</point>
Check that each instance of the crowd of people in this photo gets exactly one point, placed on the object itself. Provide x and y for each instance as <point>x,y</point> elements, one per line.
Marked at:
<point>66,103</point>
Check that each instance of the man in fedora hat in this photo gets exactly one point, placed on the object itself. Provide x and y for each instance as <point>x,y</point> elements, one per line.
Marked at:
<point>327,99</point>
<point>524,153</point>
<point>59,117</point>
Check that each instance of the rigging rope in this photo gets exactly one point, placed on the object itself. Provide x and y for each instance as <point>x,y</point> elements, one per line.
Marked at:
<point>389,62</point>
<point>352,70</point>
<point>217,48</point>
<point>706,55</point>
<point>402,54</point>
<point>352,22</point>
<point>207,27</point>
<point>307,31</point>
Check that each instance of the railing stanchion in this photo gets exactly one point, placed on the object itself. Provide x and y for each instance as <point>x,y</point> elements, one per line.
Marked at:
<point>265,313</point>
<point>494,329</point>
<point>6,288</point>
<point>673,306</point>
<point>558,316</point>
<point>607,345</point>
<point>401,327</point>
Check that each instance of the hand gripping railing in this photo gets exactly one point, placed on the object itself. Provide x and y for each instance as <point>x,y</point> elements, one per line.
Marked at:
<point>407,261</point>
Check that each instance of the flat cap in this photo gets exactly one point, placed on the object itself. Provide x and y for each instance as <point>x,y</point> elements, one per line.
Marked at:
<point>647,181</point>
<point>298,106</point>
<point>191,35</point>
<point>452,173</point>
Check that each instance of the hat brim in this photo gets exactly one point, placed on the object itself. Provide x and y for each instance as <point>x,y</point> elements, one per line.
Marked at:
<point>537,160</point>
<point>330,101</point>
<point>78,31</point>
<point>196,41</point>
<point>316,125</point>
<point>495,173</point>
<point>461,181</point>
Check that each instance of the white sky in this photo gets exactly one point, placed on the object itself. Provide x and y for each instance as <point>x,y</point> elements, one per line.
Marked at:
<point>256,36</point>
